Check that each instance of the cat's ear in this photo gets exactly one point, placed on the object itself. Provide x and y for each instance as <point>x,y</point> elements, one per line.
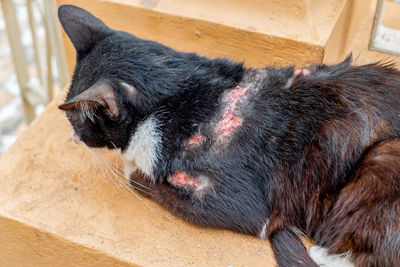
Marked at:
<point>82,28</point>
<point>98,95</point>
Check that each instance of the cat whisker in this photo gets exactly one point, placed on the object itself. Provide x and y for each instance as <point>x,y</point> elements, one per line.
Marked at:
<point>98,167</point>
<point>95,115</point>
<point>124,185</point>
<point>120,174</point>
<point>139,184</point>
<point>113,144</point>
<point>105,172</point>
<point>123,181</point>
<point>104,169</point>
<point>112,178</point>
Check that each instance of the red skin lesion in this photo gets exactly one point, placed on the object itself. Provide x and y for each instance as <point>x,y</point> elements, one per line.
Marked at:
<point>237,93</point>
<point>181,179</point>
<point>230,121</point>
<point>303,72</point>
<point>227,124</point>
<point>194,141</point>
<point>223,130</point>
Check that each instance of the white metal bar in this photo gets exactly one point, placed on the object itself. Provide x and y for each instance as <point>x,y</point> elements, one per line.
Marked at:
<point>57,45</point>
<point>18,55</point>
<point>32,23</point>
<point>383,38</point>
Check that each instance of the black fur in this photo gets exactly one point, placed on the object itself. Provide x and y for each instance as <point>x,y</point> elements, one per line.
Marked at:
<point>299,153</point>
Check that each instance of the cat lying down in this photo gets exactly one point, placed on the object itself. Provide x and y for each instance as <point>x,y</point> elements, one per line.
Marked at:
<point>271,152</point>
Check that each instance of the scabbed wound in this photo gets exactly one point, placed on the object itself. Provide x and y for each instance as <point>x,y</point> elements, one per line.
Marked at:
<point>194,141</point>
<point>183,180</point>
<point>230,119</point>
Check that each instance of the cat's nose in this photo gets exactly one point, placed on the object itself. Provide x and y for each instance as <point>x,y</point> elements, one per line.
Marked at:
<point>75,138</point>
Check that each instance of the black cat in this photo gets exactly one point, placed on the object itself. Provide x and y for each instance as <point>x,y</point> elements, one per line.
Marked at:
<point>268,152</point>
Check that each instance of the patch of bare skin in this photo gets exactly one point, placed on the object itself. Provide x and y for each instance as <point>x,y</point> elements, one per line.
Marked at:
<point>230,120</point>
<point>222,130</point>
<point>181,179</point>
<point>194,141</point>
<point>303,72</point>
<point>196,184</point>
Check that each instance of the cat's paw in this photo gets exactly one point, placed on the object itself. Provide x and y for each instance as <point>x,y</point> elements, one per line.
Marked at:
<point>323,259</point>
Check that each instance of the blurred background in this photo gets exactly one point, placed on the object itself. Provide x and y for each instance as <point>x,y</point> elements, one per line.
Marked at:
<point>32,63</point>
<point>34,66</point>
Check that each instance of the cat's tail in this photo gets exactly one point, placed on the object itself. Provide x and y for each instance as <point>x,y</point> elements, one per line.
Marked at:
<point>289,249</point>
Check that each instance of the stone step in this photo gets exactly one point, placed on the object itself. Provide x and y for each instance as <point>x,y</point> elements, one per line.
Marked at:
<point>258,32</point>
<point>57,209</point>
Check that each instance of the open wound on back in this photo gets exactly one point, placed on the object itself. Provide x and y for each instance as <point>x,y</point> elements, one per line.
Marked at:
<point>230,120</point>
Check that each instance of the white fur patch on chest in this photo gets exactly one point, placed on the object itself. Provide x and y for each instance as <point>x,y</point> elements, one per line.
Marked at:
<point>143,149</point>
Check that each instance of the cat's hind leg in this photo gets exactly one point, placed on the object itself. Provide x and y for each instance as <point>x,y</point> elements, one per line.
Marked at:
<point>364,221</point>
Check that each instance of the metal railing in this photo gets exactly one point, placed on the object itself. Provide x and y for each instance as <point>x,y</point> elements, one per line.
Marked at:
<point>50,60</point>
<point>384,39</point>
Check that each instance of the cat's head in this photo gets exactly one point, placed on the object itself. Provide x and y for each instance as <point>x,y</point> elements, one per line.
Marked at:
<point>116,74</point>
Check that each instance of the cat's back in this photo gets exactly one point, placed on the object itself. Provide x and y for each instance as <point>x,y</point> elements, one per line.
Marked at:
<point>368,93</point>
<point>323,94</point>
<point>275,114</point>
<point>330,114</point>
<point>371,84</point>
